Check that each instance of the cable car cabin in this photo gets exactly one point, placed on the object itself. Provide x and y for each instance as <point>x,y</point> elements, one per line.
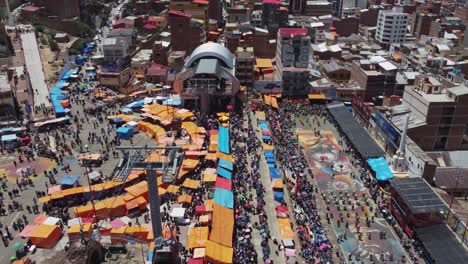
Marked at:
<point>415,204</point>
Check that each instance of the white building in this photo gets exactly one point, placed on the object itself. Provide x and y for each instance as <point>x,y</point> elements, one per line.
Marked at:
<point>391,26</point>
<point>115,48</point>
<point>351,7</point>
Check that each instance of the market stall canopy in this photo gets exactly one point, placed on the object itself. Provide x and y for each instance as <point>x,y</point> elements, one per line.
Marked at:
<point>94,175</point>
<point>381,168</point>
<point>11,137</point>
<point>69,180</point>
<point>177,212</point>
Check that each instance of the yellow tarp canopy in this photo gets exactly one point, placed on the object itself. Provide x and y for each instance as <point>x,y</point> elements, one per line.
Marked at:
<point>278,184</point>
<point>192,184</point>
<point>267,147</point>
<point>224,156</point>
<point>172,189</point>
<point>197,237</point>
<point>218,253</point>
<point>209,205</point>
<point>138,189</point>
<point>285,228</point>
<point>184,198</point>
<point>319,96</point>
<point>223,225</point>
<point>75,229</point>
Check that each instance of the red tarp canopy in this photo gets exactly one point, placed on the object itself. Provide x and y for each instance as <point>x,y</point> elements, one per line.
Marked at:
<point>195,261</point>
<point>200,209</point>
<point>223,183</point>
<point>149,26</point>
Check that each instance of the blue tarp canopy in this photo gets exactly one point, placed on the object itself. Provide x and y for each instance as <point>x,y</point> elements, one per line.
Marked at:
<point>271,165</point>
<point>381,169</point>
<point>279,196</point>
<point>225,164</point>
<point>172,101</point>
<point>224,173</point>
<point>224,197</point>
<point>127,111</point>
<point>90,74</point>
<point>270,159</point>
<point>124,132</point>
<point>263,125</point>
<point>9,137</point>
<point>266,137</point>
<point>223,140</point>
<point>274,173</point>
<point>136,104</point>
<point>69,180</point>
<point>269,154</point>
<point>118,120</point>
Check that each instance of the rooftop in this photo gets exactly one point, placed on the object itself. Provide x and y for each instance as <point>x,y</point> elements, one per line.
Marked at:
<point>418,195</point>
<point>292,32</point>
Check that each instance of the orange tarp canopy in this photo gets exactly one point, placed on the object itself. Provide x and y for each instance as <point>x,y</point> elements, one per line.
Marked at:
<point>285,228</point>
<point>319,96</point>
<point>209,177</point>
<point>224,156</point>
<point>84,211</point>
<point>131,204</point>
<point>44,199</point>
<point>278,184</point>
<point>75,229</point>
<point>197,237</point>
<point>192,184</point>
<point>172,189</point>
<point>223,225</point>
<point>218,253</point>
<point>190,163</point>
<point>72,191</point>
<point>184,198</point>
<point>191,127</point>
<point>211,156</point>
<point>213,147</point>
<point>138,189</point>
<point>267,147</point>
<point>46,236</point>
<point>209,205</point>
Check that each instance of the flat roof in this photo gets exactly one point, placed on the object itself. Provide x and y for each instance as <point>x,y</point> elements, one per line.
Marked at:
<point>359,137</point>
<point>441,244</point>
<point>418,195</point>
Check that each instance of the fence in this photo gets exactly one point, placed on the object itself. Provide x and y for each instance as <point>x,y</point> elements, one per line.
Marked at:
<point>458,227</point>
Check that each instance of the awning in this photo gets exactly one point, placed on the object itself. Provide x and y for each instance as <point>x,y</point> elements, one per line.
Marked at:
<point>417,195</point>
<point>69,180</point>
<point>381,169</point>
<point>319,96</point>
<point>359,137</point>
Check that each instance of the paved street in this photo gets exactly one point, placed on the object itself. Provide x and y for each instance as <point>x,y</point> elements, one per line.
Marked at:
<point>35,70</point>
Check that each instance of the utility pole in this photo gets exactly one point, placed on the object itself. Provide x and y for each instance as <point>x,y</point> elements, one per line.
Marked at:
<point>166,251</point>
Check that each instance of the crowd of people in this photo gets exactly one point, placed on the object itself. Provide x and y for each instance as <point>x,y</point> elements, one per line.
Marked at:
<point>249,191</point>
<point>314,243</point>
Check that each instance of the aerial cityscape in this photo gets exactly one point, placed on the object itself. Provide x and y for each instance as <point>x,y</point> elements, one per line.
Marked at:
<point>234,131</point>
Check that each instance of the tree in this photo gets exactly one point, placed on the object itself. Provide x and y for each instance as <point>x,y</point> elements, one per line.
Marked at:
<point>53,45</point>
<point>39,28</point>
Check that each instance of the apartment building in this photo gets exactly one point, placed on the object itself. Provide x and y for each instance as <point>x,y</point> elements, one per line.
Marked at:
<point>391,26</point>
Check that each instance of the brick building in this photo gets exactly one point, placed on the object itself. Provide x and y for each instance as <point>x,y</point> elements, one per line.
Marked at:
<point>187,33</point>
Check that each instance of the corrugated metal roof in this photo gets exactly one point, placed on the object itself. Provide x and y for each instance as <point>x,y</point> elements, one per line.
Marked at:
<point>207,66</point>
